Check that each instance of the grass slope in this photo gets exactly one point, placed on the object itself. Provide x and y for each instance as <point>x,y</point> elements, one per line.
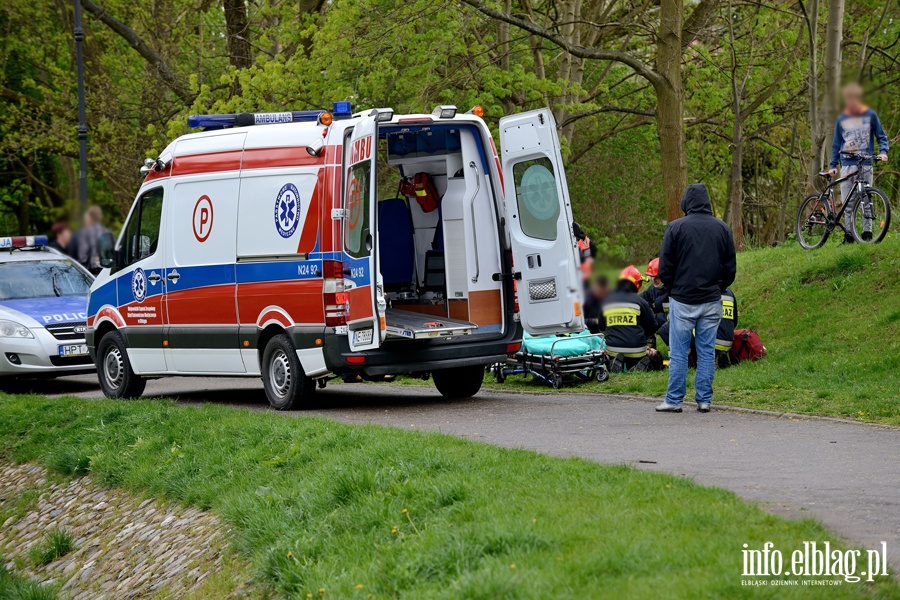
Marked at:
<point>13,587</point>
<point>326,510</point>
<point>830,320</point>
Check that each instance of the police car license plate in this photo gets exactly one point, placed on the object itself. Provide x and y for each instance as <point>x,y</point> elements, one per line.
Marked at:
<point>362,336</point>
<point>73,350</point>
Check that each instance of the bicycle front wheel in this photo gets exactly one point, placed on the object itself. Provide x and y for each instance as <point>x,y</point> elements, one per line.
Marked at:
<point>871,217</point>
<point>812,222</point>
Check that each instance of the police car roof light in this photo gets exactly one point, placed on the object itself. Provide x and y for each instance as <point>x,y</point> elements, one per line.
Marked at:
<point>342,110</point>
<point>240,119</point>
<point>22,241</point>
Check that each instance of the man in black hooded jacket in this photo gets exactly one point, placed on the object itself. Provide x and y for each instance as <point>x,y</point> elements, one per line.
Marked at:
<point>697,263</point>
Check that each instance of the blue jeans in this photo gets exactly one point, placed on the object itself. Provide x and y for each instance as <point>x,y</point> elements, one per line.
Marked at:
<point>703,320</point>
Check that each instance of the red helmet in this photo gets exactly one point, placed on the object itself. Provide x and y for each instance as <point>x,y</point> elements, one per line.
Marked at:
<point>632,274</point>
<point>653,268</point>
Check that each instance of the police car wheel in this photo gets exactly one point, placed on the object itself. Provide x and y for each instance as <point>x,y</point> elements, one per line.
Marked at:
<point>461,382</point>
<point>286,384</point>
<point>114,369</point>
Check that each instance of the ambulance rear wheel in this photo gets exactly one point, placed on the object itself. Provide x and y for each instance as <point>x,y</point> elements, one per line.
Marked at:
<point>287,386</point>
<point>114,369</point>
<point>461,382</point>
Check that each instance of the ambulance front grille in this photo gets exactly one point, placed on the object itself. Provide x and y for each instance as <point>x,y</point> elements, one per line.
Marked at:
<point>68,331</point>
<point>542,289</point>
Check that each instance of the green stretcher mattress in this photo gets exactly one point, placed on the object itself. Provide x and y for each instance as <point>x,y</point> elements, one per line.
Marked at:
<point>576,344</point>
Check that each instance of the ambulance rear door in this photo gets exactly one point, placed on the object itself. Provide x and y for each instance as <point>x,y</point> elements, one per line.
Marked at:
<point>539,220</point>
<point>360,258</point>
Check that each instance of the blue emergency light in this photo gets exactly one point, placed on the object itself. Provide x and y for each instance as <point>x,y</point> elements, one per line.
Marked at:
<point>244,119</point>
<point>342,110</point>
<point>22,241</point>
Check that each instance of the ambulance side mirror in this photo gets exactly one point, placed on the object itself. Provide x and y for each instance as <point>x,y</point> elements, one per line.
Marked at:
<point>106,248</point>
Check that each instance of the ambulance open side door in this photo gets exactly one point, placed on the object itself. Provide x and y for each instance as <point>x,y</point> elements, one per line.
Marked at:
<point>361,273</point>
<point>539,219</point>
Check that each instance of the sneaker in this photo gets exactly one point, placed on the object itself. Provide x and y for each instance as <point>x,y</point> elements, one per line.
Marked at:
<point>703,406</point>
<point>867,236</point>
<point>848,239</point>
<point>666,407</point>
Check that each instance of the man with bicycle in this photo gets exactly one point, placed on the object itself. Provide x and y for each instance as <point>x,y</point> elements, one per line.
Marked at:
<point>855,132</point>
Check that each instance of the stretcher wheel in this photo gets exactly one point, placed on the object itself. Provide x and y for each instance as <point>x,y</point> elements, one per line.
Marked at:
<point>499,374</point>
<point>602,375</point>
<point>556,380</point>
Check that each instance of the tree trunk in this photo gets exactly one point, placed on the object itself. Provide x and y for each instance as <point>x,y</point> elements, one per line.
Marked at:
<point>734,210</point>
<point>815,157</point>
<point>238,33</point>
<point>670,106</point>
<point>831,78</point>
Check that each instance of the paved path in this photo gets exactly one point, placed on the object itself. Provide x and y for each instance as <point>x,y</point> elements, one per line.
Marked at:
<point>847,475</point>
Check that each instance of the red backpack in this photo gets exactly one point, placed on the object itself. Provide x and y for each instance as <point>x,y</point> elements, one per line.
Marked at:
<point>421,187</point>
<point>747,346</point>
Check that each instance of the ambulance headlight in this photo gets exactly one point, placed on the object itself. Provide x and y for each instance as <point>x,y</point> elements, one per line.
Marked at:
<point>445,111</point>
<point>316,147</point>
<point>11,329</point>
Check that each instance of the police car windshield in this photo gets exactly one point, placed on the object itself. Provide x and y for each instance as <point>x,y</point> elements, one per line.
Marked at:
<point>41,279</point>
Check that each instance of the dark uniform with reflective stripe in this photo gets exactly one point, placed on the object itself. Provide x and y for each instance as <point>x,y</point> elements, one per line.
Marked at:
<point>628,323</point>
<point>725,333</point>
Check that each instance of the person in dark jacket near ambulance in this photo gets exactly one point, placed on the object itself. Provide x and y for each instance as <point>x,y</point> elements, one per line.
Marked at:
<point>697,263</point>
<point>628,323</point>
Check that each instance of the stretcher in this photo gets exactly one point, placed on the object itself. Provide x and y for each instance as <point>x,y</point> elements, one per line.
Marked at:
<point>558,360</point>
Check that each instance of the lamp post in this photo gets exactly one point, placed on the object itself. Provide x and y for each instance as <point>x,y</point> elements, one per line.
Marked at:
<point>82,120</point>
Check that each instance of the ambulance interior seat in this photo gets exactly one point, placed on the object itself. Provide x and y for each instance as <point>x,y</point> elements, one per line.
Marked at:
<point>396,244</point>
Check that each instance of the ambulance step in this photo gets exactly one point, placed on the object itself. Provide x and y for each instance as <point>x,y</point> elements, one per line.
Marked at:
<point>417,326</point>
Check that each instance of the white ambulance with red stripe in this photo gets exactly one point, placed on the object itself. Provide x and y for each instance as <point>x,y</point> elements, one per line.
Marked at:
<point>277,245</point>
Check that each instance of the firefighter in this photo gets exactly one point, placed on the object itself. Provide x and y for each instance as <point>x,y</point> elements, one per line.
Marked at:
<point>629,323</point>
<point>725,332</point>
<point>657,296</point>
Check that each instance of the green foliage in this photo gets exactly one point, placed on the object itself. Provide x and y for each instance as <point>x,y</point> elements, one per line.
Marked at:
<point>57,543</point>
<point>16,588</point>
<point>411,56</point>
<point>361,510</point>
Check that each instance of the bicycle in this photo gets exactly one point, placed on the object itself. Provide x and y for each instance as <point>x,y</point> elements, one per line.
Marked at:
<point>870,210</point>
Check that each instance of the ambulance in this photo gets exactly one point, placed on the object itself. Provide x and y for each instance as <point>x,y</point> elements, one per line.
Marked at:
<point>300,246</point>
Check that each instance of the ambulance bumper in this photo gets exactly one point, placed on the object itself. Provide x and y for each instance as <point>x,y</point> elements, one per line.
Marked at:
<point>406,357</point>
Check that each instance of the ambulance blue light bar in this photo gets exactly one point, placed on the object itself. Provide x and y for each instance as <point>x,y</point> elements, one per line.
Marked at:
<point>244,119</point>
<point>342,110</point>
<point>22,241</point>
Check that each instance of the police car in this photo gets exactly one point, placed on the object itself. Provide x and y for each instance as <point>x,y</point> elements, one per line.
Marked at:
<point>43,310</point>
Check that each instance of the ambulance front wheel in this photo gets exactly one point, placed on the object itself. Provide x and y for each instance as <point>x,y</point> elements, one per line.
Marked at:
<point>114,369</point>
<point>461,382</point>
<point>287,386</point>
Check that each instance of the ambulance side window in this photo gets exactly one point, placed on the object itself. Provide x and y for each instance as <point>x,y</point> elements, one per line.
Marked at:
<point>537,198</point>
<point>142,230</point>
<point>356,228</point>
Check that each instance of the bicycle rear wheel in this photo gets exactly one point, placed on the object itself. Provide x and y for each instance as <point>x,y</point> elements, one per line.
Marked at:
<point>871,217</point>
<point>812,222</point>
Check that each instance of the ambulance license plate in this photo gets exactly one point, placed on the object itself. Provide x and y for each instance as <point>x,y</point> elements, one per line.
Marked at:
<point>73,350</point>
<point>362,336</point>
